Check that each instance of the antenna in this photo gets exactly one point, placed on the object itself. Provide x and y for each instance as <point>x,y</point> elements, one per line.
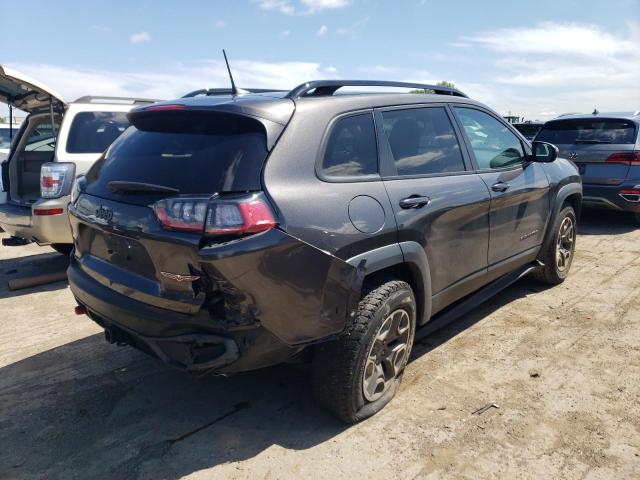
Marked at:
<point>234,90</point>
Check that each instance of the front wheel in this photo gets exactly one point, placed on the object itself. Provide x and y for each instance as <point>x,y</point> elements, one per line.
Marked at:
<point>357,374</point>
<point>559,253</point>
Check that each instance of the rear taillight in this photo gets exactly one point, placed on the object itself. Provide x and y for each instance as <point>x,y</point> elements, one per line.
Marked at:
<point>626,158</point>
<point>165,107</point>
<point>631,194</point>
<point>250,215</point>
<point>56,179</point>
<point>217,216</point>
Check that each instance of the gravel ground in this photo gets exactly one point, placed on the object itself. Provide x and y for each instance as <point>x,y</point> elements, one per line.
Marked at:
<point>562,364</point>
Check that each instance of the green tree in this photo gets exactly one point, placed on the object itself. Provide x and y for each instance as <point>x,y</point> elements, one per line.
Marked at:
<point>441,83</point>
<point>3,120</point>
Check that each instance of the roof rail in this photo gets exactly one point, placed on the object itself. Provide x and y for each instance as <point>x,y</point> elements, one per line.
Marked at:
<point>228,91</point>
<point>636,113</point>
<point>567,114</point>
<point>119,100</point>
<point>329,87</point>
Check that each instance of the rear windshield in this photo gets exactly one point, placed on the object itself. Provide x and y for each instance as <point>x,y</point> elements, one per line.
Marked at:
<point>93,132</point>
<point>527,129</point>
<point>196,153</point>
<point>588,131</point>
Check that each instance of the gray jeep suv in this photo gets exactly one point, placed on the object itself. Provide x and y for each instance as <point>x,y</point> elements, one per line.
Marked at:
<point>227,232</point>
<point>606,149</point>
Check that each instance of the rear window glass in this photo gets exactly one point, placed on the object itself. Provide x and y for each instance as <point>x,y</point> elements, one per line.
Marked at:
<point>351,149</point>
<point>93,132</point>
<point>42,138</point>
<point>588,131</point>
<point>528,130</point>
<point>196,153</point>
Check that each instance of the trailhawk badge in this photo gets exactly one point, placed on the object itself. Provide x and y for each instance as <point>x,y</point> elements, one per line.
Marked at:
<point>180,278</point>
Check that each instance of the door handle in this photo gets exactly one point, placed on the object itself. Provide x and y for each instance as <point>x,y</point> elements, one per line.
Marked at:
<point>414,201</point>
<point>500,187</point>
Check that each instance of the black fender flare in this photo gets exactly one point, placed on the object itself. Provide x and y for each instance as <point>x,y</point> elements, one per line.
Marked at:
<point>564,192</point>
<point>410,254</point>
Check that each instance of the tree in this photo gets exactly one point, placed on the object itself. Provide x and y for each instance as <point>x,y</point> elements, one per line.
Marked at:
<point>3,120</point>
<point>441,83</point>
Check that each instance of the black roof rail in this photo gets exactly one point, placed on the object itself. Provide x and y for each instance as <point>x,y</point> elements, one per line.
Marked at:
<point>120,100</point>
<point>329,87</point>
<point>228,91</point>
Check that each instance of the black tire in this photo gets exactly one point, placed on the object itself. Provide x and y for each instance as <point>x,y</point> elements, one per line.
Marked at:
<point>552,273</point>
<point>63,248</point>
<point>637,218</point>
<point>338,367</point>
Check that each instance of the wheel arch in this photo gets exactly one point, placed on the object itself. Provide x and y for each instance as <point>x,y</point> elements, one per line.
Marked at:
<point>570,194</point>
<point>405,261</point>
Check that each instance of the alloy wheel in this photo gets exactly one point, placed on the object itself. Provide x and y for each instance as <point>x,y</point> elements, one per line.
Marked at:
<point>387,355</point>
<point>565,244</point>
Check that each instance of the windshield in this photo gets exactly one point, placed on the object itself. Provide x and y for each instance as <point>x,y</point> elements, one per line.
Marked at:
<point>588,131</point>
<point>194,153</point>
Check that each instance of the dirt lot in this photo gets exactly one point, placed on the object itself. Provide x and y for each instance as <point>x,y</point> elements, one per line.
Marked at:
<point>563,364</point>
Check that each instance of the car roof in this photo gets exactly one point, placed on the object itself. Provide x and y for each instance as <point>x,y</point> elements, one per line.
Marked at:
<point>277,106</point>
<point>635,116</point>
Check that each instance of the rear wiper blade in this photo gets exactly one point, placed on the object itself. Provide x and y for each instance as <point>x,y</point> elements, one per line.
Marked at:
<point>593,141</point>
<point>139,187</point>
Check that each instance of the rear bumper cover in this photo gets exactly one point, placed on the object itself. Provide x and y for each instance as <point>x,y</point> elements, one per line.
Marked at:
<point>608,196</point>
<point>19,221</point>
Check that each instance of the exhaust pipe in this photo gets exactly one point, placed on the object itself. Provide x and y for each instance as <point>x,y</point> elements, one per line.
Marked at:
<point>109,336</point>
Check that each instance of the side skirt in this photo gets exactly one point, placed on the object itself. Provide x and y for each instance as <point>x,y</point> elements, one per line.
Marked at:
<point>472,301</point>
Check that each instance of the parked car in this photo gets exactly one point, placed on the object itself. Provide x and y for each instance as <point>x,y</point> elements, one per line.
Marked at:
<point>56,142</point>
<point>528,129</point>
<point>7,133</point>
<point>225,233</point>
<point>606,149</point>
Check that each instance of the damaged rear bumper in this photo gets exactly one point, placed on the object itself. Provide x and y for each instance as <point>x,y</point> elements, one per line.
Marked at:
<point>280,293</point>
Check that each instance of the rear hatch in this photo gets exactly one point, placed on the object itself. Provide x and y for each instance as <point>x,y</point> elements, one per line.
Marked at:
<point>21,173</point>
<point>174,181</point>
<point>602,148</point>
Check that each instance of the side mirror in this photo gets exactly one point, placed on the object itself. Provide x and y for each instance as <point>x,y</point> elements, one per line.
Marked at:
<point>544,152</point>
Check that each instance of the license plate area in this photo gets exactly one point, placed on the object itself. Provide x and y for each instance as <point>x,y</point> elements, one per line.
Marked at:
<point>123,252</point>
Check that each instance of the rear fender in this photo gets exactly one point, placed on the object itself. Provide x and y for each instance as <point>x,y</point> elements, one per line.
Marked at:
<point>405,254</point>
<point>298,292</point>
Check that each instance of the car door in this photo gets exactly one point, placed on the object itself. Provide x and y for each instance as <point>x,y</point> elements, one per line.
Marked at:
<point>438,201</point>
<point>519,188</point>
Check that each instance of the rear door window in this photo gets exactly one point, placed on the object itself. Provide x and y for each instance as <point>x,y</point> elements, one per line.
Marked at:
<point>422,141</point>
<point>493,144</point>
<point>93,132</point>
<point>351,149</point>
<point>194,152</point>
<point>588,131</point>
<point>42,138</point>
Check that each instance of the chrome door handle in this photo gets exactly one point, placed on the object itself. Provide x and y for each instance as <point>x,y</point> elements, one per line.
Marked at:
<point>500,187</point>
<point>414,201</point>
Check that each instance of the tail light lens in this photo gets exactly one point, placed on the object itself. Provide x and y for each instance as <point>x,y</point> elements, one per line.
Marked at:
<point>56,179</point>
<point>626,158</point>
<point>217,216</point>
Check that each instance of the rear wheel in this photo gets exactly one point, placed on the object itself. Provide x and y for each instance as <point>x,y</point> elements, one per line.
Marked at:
<point>637,217</point>
<point>356,375</point>
<point>559,254</point>
<point>63,248</point>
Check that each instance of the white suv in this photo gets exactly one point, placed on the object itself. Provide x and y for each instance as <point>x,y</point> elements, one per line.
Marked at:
<point>56,142</point>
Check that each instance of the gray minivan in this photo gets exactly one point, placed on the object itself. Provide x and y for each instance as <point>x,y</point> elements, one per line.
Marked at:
<point>606,149</point>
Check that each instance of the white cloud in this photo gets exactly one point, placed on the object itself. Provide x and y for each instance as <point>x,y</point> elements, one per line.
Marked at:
<point>302,7</point>
<point>354,27</point>
<point>551,38</point>
<point>140,37</point>
<point>560,67</point>
<point>322,30</point>
<point>175,80</point>
<point>286,33</point>
<point>219,24</point>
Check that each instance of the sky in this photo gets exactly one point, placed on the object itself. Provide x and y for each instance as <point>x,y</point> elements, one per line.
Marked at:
<point>536,59</point>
